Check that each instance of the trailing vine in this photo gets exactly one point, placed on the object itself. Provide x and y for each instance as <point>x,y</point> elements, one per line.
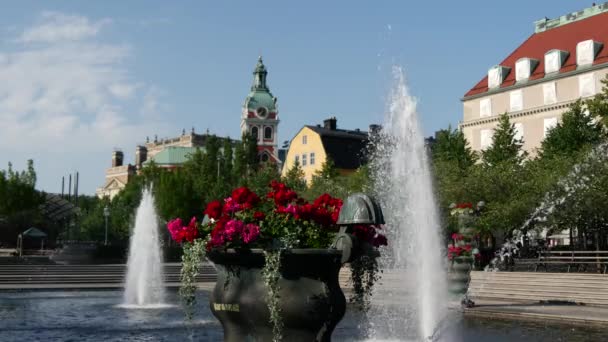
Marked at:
<point>271,275</point>
<point>364,273</point>
<point>191,261</point>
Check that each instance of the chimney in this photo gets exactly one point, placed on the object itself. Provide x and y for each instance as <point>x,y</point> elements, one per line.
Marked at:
<point>331,123</point>
<point>373,129</point>
<point>141,155</point>
<point>117,157</point>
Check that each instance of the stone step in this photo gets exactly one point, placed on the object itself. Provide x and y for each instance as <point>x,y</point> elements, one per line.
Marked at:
<point>548,291</point>
<point>537,275</point>
<point>516,298</point>
<point>538,283</point>
<point>539,294</point>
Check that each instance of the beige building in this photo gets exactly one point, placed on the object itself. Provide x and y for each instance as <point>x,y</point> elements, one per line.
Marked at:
<point>563,60</point>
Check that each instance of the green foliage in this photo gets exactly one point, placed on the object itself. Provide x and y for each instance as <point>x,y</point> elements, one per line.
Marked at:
<point>504,148</point>
<point>451,146</point>
<point>19,202</point>
<point>271,273</point>
<point>191,262</point>
<point>294,178</point>
<point>576,131</point>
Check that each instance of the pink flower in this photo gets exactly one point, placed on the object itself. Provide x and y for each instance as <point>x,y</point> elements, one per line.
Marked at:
<point>233,228</point>
<point>175,227</point>
<point>456,237</point>
<point>250,232</point>
<point>179,232</point>
<point>231,206</point>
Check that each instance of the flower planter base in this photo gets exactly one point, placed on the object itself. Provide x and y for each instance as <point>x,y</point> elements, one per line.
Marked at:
<point>311,301</point>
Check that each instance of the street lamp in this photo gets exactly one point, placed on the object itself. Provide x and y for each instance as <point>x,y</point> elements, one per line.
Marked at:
<point>219,159</point>
<point>106,214</point>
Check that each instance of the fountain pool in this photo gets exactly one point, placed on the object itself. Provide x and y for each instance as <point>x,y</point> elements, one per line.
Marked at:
<point>52,316</point>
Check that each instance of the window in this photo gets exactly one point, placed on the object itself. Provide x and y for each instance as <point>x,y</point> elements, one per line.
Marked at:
<point>268,133</point>
<point>554,60</point>
<point>586,85</point>
<point>304,140</point>
<point>519,131</point>
<point>524,68</point>
<point>312,158</point>
<point>304,159</point>
<point>516,100</point>
<point>485,107</point>
<point>264,157</point>
<point>297,160</point>
<point>586,51</point>
<point>494,77</point>
<point>549,93</point>
<point>485,136</point>
<point>548,124</point>
<point>254,132</point>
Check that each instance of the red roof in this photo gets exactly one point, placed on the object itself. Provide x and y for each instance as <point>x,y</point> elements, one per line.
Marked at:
<point>562,38</point>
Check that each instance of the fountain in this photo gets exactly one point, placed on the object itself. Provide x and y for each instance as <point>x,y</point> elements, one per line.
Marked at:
<point>144,281</point>
<point>413,265</point>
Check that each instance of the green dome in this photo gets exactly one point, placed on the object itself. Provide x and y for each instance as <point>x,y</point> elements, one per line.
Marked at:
<point>257,99</point>
<point>260,95</point>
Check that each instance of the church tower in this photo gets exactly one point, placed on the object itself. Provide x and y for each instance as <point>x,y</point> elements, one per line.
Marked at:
<point>260,116</point>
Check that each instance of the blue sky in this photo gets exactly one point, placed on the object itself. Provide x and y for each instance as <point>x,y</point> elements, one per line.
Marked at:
<point>78,78</point>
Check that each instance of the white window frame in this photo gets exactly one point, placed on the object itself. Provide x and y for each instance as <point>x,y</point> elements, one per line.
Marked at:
<point>297,159</point>
<point>549,93</point>
<point>586,85</point>
<point>516,100</point>
<point>304,139</point>
<point>485,107</point>
<point>312,158</point>
<point>304,159</point>
<point>486,138</point>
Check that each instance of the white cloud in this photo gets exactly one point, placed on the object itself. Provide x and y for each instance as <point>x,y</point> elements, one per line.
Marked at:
<point>55,27</point>
<point>71,99</point>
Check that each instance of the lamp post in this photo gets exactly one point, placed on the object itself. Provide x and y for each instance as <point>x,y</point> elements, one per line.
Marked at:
<point>106,214</point>
<point>218,166</point>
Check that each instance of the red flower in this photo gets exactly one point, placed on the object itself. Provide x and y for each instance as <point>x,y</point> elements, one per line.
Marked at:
<point>259,216</point>
<point>457,237</point>
<point>214,209</point>
<point>243,195</point>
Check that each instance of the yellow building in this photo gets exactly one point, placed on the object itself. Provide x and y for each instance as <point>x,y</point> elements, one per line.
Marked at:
<point>312,145</point>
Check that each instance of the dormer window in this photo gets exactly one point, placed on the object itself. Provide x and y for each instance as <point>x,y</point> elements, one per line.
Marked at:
<point>586,52</point>
<point>554,60</point>
<point>524,68</point>
<point>496,75</point>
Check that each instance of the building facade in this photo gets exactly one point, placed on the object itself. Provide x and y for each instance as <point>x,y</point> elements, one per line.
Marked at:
<point>564,60</point>
<point>313,145</point>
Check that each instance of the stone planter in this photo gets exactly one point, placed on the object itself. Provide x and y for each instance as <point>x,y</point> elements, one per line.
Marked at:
<point>458,274</point>
<point>311,300</point>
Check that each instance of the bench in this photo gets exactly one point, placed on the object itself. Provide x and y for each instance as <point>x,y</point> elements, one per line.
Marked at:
<point>578,259</point>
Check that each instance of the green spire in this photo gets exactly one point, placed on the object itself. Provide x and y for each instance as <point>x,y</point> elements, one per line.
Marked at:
<point>259,76</point>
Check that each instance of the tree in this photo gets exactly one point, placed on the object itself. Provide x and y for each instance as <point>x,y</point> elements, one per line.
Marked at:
<point>294,178</point>
<point>576,131</point>
<point>598,105</point>
<point>451,145</point>
<point>505,147</point>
